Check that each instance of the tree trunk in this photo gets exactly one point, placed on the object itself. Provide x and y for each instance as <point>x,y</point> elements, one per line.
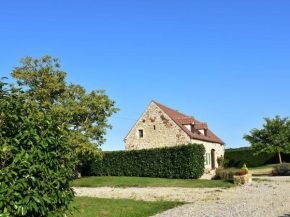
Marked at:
<point>78,172</point>
<point>280,159</point>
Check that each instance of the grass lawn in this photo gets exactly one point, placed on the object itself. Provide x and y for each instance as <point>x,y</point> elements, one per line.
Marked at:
<point>92,207</point>
<point>262,167</point>
<point>261,180</point>
<point>122,181</point>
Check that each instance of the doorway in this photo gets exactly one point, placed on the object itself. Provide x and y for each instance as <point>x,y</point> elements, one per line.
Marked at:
<point>213,159</point>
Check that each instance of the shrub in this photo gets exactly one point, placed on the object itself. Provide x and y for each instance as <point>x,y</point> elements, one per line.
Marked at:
<point>182,162</point>
<point>225,173</point>
<point>245,169</point>
<point>240,173</point>
<point>237,157</point>
<point>36,161</point>
<point>222,162</point>
<point>282,169</point>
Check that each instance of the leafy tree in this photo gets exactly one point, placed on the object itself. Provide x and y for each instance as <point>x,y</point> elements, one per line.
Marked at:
<point>273,138</point>
<point>36,160</point>
<point>84,114</point>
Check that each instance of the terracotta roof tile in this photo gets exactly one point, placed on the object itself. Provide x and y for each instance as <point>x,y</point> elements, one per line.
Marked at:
<point>181,119</point>
<point>185,120</point>
<point>200,126</point>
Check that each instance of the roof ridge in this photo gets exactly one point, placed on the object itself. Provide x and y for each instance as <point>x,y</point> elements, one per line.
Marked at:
<point>176,111</point>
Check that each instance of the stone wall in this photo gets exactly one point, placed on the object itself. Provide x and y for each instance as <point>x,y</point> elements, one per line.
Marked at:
<point>158,131</point>
<point>219,150</point>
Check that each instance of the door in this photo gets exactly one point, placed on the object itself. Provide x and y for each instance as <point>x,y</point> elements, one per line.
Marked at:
<point>213,159</point>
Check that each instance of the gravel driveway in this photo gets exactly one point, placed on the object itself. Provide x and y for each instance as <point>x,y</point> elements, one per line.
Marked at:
<point>261,199</point>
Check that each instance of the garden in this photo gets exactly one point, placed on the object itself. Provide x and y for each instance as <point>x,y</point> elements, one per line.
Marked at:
<point>47,129</point>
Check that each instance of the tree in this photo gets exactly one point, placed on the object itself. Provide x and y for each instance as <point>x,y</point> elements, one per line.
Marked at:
<point>84,114</point>
<point>273,138</point>
<point>36,160</point>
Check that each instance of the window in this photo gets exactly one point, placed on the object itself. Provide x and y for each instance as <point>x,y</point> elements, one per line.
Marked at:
<point>154,127</point>
<point>140,133</point>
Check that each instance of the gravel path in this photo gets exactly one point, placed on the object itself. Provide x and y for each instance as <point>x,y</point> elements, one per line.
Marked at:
<point>257,199</point>
<point>261,171</point>
<point>150,194</point>
<point>264,199</point>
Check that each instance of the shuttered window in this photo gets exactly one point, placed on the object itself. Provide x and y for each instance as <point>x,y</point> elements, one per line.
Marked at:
<point>208,159</point>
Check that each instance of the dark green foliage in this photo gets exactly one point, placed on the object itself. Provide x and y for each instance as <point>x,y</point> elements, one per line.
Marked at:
<point>182,162</point>
<point>272,138</point>
<point>237,157</point>
<point>282,169</point>
<point>36,161</point>
<point>222,162</point>
<point>84,114</point>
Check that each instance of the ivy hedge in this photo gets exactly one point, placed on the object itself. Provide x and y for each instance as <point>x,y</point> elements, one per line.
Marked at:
<point>181,162</point>
<point>237,157</point>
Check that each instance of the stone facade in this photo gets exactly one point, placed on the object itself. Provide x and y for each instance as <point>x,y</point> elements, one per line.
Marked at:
<point>219,151</point>
<point>160,130</point>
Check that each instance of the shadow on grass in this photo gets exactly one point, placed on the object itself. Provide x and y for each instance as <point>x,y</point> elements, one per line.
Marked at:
<point>231,181</point>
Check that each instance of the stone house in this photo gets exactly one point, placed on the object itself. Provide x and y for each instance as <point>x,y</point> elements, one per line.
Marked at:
<point>160,126</point>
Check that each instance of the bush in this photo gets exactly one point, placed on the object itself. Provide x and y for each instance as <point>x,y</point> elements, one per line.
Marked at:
<point>222,162</point>
<point>182,162</point>
<point>237,157</point>
<point>225,173</point>
<point>282,169</point>
<point>245,169</point>
<point>36,162</point>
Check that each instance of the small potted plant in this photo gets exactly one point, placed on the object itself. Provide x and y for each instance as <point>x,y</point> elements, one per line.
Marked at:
<point>243,176</point>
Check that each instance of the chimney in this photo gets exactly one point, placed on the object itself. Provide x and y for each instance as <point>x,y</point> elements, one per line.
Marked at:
<point>192,127</point>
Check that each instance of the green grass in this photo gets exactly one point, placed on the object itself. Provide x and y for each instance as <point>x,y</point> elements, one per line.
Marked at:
<point>262,167</point>
<point>92,207</point>
<point>122,181</point>
<point>261,180</point>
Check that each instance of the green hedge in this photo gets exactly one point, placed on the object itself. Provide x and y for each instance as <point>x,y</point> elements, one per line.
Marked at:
<point>237,157</point>
<point>185,161</point>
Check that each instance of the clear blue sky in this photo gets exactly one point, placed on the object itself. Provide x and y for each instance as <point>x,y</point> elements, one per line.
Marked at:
<point>225,62</point>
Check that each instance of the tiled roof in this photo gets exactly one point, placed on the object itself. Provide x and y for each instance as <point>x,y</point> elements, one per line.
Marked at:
<point>200,126</point>
<point>185,120</point>
<point>181,119</point>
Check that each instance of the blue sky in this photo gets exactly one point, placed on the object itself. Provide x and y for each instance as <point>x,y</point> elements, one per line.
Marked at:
<point>226,63</point>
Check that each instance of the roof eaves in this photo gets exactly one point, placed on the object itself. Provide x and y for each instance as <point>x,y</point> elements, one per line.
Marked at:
<point>208,140</point>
